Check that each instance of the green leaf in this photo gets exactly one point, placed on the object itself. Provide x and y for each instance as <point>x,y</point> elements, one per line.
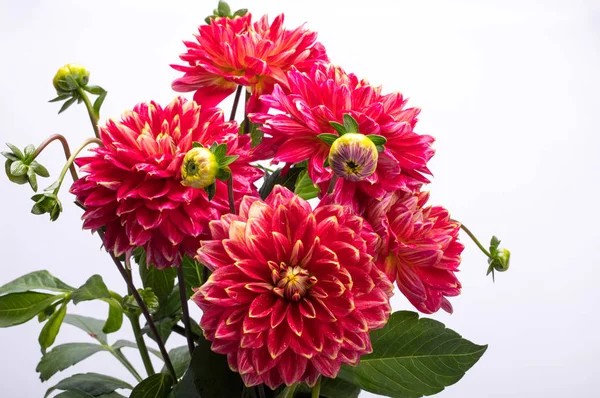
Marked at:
<point>160,281</point>
<point>98,103</point>
<point>17,308</point>
<point>15,150</point>
<point>224,174</point>
<point>227,160</point>
<point>10,156</point>
<point>39,169</point>
<point>339,128</point>
<point>148,297</point>
<point>330,388</point>
<point>67,104</point>
<point>192,274</point>
<point>17,180</point>
<point>91,383</point>
<point>328,138</point>
<point>32,179</point>
<point>211,190</point>
<point>256,135</point>
<point>130,344</point>
<point>47,313</point>
<point>42,280</point>
<point>305,187</point>
<point>350,124</point>
<point>377,139</point>
<point>96,90</point>
<point>64,356</point>
<point>52,327</point>
<point>115,316</point>
<point>29,151</point>
<point>73,394</point>
<point>93,288</point>
<point>163,326</point>
<point>210,373</point>
<point>413,357</point>
<point>91,326</point>
<point>288,181</point>
<point>18,168</point>
<point>155,386</point>
<point>171,307</point>
<point>180,357</point>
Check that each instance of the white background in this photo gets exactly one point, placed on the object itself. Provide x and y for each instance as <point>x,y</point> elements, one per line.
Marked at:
<point>508,88</point>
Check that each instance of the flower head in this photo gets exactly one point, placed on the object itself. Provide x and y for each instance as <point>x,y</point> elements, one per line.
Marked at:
<point>353,157</point>
<point>199,168</point>
<point>133,183</point>
<point>68,78</point>
<point>294,292</point>
<point>235,51</point>
<point>420,249</point>
<point>325,95</point>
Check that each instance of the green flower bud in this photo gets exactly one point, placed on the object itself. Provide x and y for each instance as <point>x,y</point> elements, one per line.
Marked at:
<point>199,168</point>
<point>47,202</point>
<point>501,260</point>
<point>353,156</point>
<point>69,78</point>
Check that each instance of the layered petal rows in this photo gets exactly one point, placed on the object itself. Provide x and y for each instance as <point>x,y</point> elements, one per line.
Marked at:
<point>420,249</point>
<point>325,94</point>
<point>235,51</point>
<point>132,186</point>
<point>294,292</point>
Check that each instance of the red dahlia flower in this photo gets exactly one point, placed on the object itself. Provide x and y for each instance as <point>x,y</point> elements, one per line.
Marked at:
<point>324,95</point>
<point>133,183</point>
<point>294,292</point>
<point>230,52</point>
<point>421,251</point>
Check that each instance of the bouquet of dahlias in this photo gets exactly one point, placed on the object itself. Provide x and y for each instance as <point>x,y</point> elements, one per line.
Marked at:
<point>289,230</point>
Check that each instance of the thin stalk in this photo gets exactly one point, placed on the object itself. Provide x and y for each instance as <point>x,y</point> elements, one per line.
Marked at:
<point>144,309</point>
<point>71,159</point>
<point>185,309</point>
<point>141,343</point>
<point>90,108</point>
<point>236,100</point>
<point>121,357</point>
<point>246,121</point>
<point>316,389</point>
<point>66,150</point>
<point>230,195</point>
<point>332,182</point>
<point>181,331</point>
<point>464,228</point>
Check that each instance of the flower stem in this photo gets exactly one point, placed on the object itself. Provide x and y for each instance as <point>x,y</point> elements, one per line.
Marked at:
<point>316,389</point>
<point>71,159</point>
<point>139,339</point>
<point>185,309</point>
<point>144,309</point>
<point>230,195</point>
<point>121,358</point>
<point>246,120</point>
<point>90,108</point>
<point>236,100</point>
<point>332,183</point>
<point>464,228</point>
<point>66,150</point>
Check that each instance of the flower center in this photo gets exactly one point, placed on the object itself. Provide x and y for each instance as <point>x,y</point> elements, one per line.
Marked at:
<point>291,282</point>
<point>352,167</point>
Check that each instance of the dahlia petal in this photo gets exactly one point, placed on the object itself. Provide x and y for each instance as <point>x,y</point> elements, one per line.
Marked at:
<point>295,319</point>
<point>291,368</point>
<point>277,341</point>
<point>262,305</point>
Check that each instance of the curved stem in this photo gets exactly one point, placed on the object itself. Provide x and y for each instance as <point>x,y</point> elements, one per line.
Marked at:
<point>66,150</point>
<point>90,108</point>
<point>238,93</point>
<point>141,343</point>
<point>230,195</point>
<point>121,357</point>
<point>71,159</point>
<point>185,309</point>
<point>144,309</point>
<point>316,389</point>
<point>464,228</point>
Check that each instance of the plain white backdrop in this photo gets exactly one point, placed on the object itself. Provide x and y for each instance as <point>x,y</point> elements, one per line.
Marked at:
<point>508,88</point>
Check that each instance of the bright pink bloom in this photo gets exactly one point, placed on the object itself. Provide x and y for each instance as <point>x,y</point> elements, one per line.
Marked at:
<point>420,249</point>
<point>325,94</point>
<point>133,183</point>
<point>294,292</point>
<point>230,52</point>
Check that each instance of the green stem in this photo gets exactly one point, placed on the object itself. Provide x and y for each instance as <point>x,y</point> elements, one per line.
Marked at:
<point>185,309</point>
<point>71,159</point>
<point>464,228</point>
<point>316,389</point>
<point>141,343</point>
<point>90,108</point>
<point>66,150</point>
<point>246,120</point>
<point>121,357</point>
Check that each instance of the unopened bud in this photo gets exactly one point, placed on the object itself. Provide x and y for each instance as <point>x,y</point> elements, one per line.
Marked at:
<point>69,78</point>
<point>353,157</point>
<point>199,168</point>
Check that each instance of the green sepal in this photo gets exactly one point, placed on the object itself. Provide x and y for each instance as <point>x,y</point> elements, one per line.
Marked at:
<point>223,9</point>
<point>197,145</point>
<point>241,12</point>
<point>211,190</point>
<point>18,168</point>
<point>328,138</point>
<point>10,156</point>
<point>66,105</point>
<point>341,130</point>
<point>32,179</point>
<point>380,148</point>
<point>60,98</point>
<point>219,151</point>
<point>98,102</point>
<point>39,169</point>
<point>227,160</point>
<point>350,124</point>
<point>377,139</point>
<point>256,135</point>
<point>96,90</point>
<point>16,179</point>
<point>224,174</point>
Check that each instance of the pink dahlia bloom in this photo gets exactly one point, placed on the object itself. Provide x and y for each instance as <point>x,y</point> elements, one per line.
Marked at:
<point>420,248</point>
<point>325,94</point>
<point>294,292</point>
<point>230,52</point>
<point>132,185</point>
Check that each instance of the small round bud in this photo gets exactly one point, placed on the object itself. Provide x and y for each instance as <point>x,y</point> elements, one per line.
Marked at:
<point>199,168</point>
<point>502,260</point>
<point>353,157</point>
<point>68,78</point>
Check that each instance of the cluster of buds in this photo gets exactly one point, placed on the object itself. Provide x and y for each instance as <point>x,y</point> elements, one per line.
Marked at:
<point>21,167</point>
